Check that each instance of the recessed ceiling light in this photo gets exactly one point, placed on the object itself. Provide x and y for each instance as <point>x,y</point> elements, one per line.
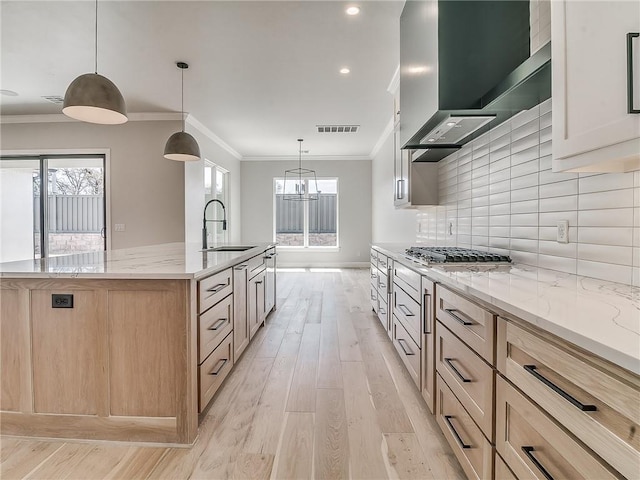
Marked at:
<point>344,70</point>
<point>431,140</point>
<point>8,93</point>
<point>353,10</point>
<point>451,124</point>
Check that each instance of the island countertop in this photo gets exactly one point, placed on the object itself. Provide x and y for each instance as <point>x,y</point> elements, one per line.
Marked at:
<point>599,316</point>
<point>164,261</point>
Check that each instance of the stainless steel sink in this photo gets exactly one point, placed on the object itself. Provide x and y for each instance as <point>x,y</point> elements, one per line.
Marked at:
<point>230,248</point>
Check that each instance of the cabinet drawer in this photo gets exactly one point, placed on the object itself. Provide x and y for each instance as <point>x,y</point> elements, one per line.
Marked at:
<point>255,265</point>
<point>214,370</point>
<point>473,451</point>
<point>407,279</point>
<point>468,376</point>
<point>596,405</point>
<point>374,257</point>
<point>374,298</point>
<point>213,289</point>
<point>373,273</point>
<point>474,325</point>
<point>407,310</point>
<point>214,325</point>
<point>383,313</point>
<point>502,471</point>
<point>383,262</point>
<point>534,446</point>
<point>408,350</point>
<point>383,280</point>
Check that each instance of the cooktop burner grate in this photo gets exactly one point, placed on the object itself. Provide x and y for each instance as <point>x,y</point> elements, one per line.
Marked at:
<point>455,255</point>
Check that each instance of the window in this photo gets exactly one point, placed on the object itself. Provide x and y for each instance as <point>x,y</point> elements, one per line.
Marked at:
<point>306,224</point>
<point>216,185</point>
<point>51,205</point>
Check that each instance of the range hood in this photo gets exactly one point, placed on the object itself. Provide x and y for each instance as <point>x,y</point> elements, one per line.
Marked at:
<point>464,69</point>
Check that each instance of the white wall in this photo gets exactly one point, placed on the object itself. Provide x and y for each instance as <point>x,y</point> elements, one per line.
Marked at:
<point>146,190</point>
<point>16,214</point>
<point>354,210</point>
<point>390,225</point>
<point>194,189</point>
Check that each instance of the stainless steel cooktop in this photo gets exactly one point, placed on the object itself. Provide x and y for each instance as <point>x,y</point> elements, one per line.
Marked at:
<point>454,255</point>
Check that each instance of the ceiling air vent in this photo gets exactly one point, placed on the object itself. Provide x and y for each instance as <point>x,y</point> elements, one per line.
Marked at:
<point>57,99</point>
<point>338,128</point>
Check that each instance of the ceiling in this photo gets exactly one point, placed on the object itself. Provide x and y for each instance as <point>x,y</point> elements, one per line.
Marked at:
<point>261,75</point>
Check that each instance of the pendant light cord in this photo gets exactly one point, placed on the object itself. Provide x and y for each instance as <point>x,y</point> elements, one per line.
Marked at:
<point>96,39</point>
<point>182,99</point>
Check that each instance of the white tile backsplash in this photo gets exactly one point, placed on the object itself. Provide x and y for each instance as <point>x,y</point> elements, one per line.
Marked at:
<point>501,195</point>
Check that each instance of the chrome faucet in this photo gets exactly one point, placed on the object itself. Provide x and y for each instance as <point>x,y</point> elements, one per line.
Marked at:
<point>204,221</point>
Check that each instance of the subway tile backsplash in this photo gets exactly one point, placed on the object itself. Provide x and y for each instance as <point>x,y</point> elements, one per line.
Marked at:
<point>498,193</point>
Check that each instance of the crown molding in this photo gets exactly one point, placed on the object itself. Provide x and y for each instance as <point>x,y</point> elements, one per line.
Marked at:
<point>394,84</point>
<point>276,158</point>
<point>388,130</point>
<point>61,118</point>
<point>195,123</point>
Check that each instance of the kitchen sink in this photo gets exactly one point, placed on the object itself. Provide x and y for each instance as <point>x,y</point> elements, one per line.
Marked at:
<point>230,248</point>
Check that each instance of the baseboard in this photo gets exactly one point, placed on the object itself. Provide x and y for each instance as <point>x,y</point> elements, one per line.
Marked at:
<point>322,264</point>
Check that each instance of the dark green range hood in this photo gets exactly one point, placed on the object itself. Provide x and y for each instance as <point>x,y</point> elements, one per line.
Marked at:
<point>477,71</point>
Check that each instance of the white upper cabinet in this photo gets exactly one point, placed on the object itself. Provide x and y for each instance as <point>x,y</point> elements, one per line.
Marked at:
<point>596,83</point>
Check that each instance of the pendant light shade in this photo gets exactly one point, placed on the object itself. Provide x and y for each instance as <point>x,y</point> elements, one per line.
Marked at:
<point>297,180</point>
<point>181,146</point>
<point>93,98</point>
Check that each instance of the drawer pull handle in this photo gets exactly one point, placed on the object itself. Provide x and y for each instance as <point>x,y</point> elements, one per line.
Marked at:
<point>382,286</point>
<point>447,418</point>
<point>405,311</point>
<point>572,400</point>
<point>373,275</point>
<point>528,451</point>
<point>220,365</point>
<point>216,288</point>
<point>456,317</point>
<point>456,371</point>
<point>426,304</point>
<point>407,351</point>
<point>218,324</point>
<point>373,296</point>
<point>382,312</point>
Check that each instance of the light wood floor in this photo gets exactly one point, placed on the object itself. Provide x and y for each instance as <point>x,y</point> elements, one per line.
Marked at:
<point>319,393</point>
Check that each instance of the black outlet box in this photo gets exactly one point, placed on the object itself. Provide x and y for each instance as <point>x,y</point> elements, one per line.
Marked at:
<point>61,300</point>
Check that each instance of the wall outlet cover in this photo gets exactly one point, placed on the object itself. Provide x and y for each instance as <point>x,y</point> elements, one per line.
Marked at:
<point>563,231</point>
<point>119,227</point>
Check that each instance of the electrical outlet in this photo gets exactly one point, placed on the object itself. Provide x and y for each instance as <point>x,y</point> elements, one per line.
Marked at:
<point>61,300</point>
<point>119,227</point>
<point>563,231</point>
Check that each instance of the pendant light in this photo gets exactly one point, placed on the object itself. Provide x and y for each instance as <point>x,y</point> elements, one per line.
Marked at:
<point>299,178</point>
<point>181,146</point>
<point>93,98</point>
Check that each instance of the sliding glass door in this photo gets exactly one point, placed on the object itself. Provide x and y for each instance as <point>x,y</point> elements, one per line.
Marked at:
<point>51,205</point>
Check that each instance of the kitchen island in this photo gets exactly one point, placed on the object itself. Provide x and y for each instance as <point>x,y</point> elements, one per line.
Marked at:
<point>128,344</point>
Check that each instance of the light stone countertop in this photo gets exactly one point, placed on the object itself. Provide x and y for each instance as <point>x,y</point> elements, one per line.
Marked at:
<point>599,316</point>
<point>165,261</point>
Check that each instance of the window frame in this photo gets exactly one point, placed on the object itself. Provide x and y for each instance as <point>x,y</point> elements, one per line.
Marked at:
<point>306,246</point>
<point>215,168</point>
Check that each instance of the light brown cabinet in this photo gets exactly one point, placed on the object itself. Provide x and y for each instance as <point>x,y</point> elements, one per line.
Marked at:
<point>256,312</point>
<point>380,292</point>
<point>114,366</point>
<point>240,314</point>
<point>598,403</point>
<point>534,446</point>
